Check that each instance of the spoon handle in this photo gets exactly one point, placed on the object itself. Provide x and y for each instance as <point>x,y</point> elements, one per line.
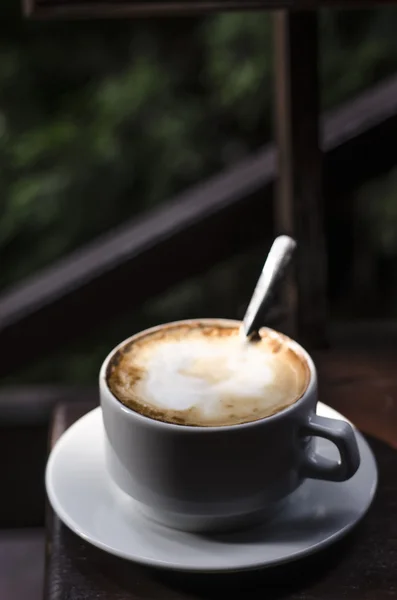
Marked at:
<point>273,270</point>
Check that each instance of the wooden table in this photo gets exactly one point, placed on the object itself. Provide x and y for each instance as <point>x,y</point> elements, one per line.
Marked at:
<point>360,567</point>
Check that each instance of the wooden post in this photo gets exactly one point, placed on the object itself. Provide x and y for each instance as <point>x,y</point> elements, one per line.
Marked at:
<point>299,203</point>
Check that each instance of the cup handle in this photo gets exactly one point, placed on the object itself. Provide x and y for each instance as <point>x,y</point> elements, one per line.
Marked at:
<point>316,466</point>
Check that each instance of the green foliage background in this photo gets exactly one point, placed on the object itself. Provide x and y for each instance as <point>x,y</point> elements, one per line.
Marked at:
<point>100,121</point>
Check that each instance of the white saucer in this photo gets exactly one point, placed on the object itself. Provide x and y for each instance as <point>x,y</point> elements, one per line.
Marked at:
<point>316,515</point>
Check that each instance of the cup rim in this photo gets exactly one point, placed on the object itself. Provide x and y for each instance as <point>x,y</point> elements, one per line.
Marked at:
<point>129,412</point>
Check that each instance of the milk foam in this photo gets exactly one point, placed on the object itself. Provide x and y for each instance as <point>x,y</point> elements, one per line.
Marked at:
<point>209,380</point>
<point>201,372</point>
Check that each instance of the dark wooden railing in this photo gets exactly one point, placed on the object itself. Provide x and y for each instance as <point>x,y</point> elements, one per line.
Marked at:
<point>299,205</point>
<point>215,220</point>
<point>222,216</point>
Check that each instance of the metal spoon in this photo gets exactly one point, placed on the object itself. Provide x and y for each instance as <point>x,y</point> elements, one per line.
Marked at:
<point>273,270</point>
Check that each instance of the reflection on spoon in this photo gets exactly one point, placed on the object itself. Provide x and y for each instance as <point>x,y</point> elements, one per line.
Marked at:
<point>273,270</point>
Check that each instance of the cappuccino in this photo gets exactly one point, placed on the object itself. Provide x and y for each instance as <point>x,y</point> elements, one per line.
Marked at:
<point>207,374</point>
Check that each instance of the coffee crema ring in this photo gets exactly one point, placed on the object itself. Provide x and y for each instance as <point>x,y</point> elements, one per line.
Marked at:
<point>206,374</point>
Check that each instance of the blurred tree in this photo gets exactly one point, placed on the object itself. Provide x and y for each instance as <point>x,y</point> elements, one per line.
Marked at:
<point>99,121</point>
<point>102,120</point>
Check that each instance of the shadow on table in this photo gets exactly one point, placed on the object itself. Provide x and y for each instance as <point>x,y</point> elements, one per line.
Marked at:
<point>277,582</point>
<point>110,575</point>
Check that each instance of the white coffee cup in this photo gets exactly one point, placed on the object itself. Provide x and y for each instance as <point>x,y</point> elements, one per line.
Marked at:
<point>212,478</point>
